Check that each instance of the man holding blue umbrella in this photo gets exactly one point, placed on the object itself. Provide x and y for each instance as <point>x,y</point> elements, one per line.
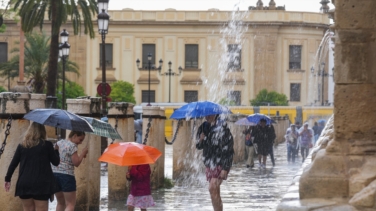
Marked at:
<point>216,141</point>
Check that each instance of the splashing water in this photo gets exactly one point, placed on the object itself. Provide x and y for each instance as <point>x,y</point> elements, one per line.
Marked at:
<point>227,57</point>
<point>315,78</point>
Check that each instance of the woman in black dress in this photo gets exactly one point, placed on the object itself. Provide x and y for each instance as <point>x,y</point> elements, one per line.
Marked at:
<point>36,182</point>
<point>262,135</point>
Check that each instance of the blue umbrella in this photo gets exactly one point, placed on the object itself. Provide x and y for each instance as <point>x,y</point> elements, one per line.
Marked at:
<point>60,119</point>
<point>244,121</point>
<point>255,118</point>
<point>199,109</point>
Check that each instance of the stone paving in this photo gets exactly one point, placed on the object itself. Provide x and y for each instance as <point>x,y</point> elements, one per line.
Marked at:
<point>245,189</point>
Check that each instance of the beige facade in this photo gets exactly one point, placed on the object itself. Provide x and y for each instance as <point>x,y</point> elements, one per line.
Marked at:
<point>265,37</point>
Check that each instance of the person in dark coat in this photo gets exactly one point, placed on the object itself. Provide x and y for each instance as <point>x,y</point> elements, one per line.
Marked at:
<point>272,137</point>
<point>217,143</point>
<point>262,138</point>
<point>140,194</point>
<point>36,182</point>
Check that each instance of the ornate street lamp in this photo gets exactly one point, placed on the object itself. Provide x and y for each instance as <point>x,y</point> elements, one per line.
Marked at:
<point>169,74</point>
<point>103,19</point>
<point>63,53</point>
<point>149,68</point>
<point>103,5</point>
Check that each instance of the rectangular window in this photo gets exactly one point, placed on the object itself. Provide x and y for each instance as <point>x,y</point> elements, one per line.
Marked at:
<point>3,52</point>
<point>295,57</point>
<point>145,96</point>
<point>146,49</point>
<point>294,92</point>
<point>191,56</point>
<point>108,53</point>
<point>235,96</point>
<point>190,96</point>
<point>234,56</point>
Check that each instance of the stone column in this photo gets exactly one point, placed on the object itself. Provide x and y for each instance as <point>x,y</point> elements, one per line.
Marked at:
<point>162,145</point>
<point>16,104</point>
<point>120,114</point>
<point>181,148</point>
<point>343,168</point>
<point>88,173</point>
<point>152,112</point>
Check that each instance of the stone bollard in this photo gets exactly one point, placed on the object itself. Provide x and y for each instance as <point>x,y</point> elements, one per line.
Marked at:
<point>120,114</point>
<point>162,145</point>
<point>16,104</point>
<point>239,138</point>
<point>88,173</point>
<point>181,148</point>
<point>151,115</point>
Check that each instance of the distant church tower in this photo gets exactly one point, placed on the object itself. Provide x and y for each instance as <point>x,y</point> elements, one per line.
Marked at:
<point>272,5</point>
<point>324,8</point>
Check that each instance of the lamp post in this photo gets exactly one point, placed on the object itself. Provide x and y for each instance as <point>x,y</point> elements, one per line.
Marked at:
<point>149,68</point>
<point>103,19</point>
<point>63,53</point>
<point>169,74</point>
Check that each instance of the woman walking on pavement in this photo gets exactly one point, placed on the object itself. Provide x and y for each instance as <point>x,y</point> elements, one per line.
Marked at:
<point>140,194</point>
<point>306,135</point>
<point>249,147</point>
<point>64,173</point>
<point>36,182</point>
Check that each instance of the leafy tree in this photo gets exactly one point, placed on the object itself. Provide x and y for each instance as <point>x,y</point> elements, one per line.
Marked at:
<point>273,98</point>
<point>32,14</point>
<point>2,89</point>
<point>122,91</point>
<point>72,90</point>
<point>227,102</point>
<point>35,61</point>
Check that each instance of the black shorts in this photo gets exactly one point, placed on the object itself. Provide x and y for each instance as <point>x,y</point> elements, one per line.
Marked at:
<point>36,197</point>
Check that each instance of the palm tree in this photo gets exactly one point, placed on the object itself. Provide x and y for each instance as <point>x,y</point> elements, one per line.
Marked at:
<point>32,14</point>
<point>36,62</point>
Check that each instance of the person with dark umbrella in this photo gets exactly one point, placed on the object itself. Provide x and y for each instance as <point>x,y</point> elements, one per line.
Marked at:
<point>262,138</point>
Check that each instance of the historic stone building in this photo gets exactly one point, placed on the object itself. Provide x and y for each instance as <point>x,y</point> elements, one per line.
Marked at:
<point>219,54</point>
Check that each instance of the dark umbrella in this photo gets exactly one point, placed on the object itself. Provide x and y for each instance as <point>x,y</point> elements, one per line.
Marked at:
<point>103,129</point>
<point>255,118</point>
<point>59,118</point>
<point>199,109</point>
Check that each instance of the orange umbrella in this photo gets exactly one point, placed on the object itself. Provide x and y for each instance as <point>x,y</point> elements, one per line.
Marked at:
<point>130,154</point>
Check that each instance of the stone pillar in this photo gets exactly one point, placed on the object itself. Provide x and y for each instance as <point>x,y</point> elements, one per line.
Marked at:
<point>162,144</point>
<point>88,173</point>
<point>343,168</point>
<point>16,104</point>
<point>239,138</point>
<point>120,114</point>
<point>154,140</point>
<point>181,148</point>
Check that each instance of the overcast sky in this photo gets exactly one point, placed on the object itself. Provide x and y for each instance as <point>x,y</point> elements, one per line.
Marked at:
<point>291,5</point>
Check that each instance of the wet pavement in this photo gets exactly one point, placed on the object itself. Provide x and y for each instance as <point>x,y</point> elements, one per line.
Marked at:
<point>245,189</point>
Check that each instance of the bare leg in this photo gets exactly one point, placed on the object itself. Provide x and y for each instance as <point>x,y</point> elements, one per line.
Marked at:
<point>264,160</point>
<point>130,208</point>
<point>259,158</point>
<point>41,205</point>
<point>70,200</point>
<point>28,204</point>
<point>215,194</point>
<point>60,201</point>
<point>143,209</point>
